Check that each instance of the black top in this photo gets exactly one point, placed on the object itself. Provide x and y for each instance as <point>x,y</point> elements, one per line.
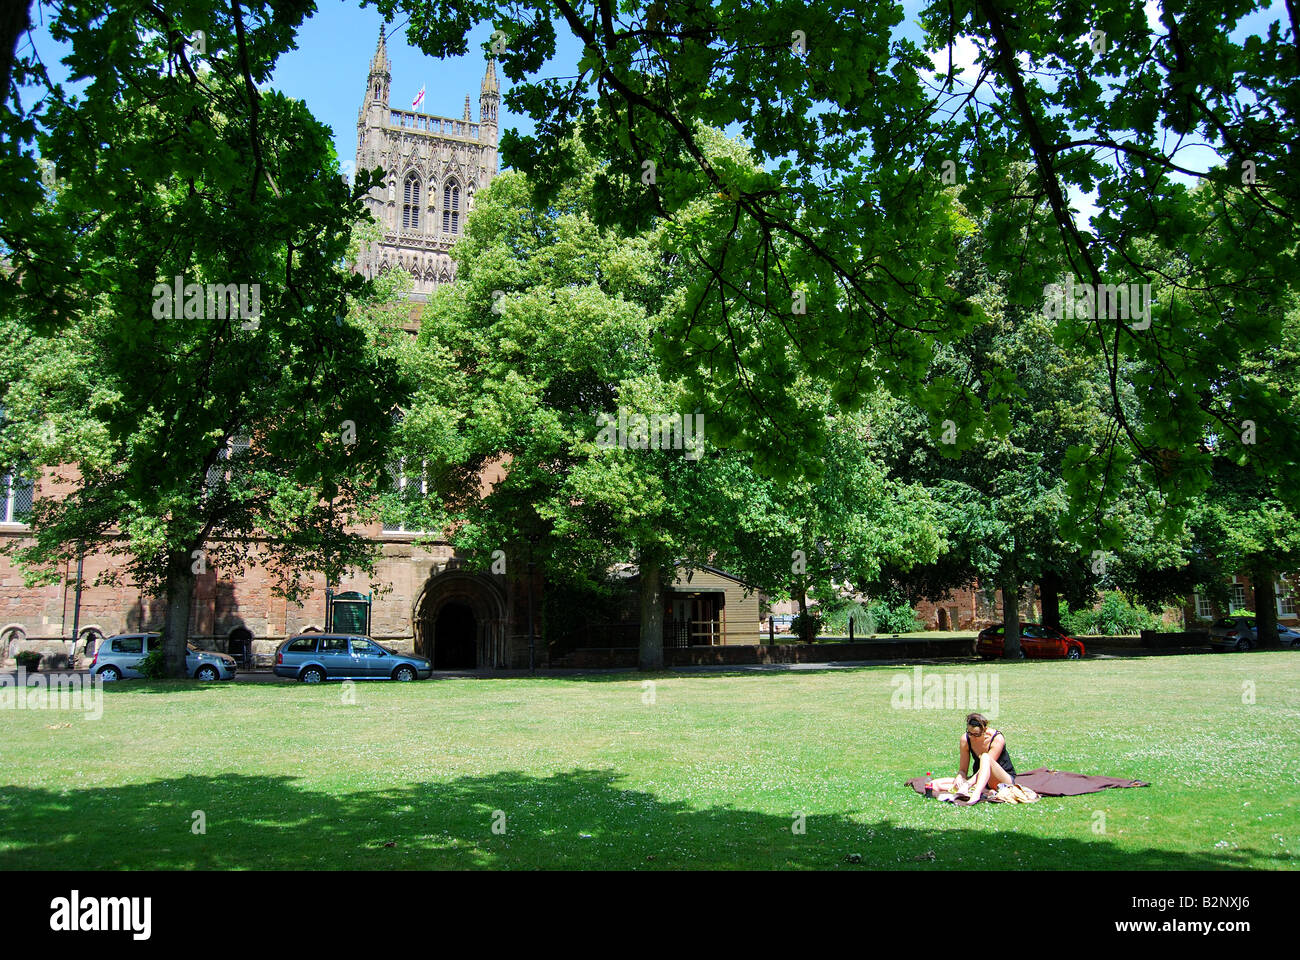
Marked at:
<point>1004,759</point>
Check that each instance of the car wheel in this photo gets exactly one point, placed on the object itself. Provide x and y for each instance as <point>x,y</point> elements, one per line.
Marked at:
<point>110,674</point>
<point>313,675</point>
<point>404,674</point>
<point>1021,654</point>
<point>1242,645</point>
<point>207,673</point>
<point>1072,653</point>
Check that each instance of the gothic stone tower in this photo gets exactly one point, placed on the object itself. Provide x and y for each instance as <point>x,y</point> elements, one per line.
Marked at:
<point>433,166</point>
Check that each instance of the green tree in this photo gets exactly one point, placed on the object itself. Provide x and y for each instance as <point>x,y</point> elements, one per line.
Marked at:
<point>850,213</point>
<point>208,428</point>
<point>538,361</point>
<point>1002,493</point>
<point>852,520</point>
<point>1243,521</point>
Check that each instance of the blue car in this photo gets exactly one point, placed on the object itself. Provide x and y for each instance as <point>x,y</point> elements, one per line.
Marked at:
<point>314,657</point>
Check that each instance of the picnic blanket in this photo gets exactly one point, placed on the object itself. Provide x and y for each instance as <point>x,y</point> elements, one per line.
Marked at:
<point>1053,783</point>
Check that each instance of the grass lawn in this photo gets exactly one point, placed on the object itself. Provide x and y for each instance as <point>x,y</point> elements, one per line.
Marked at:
<point>711,774</point>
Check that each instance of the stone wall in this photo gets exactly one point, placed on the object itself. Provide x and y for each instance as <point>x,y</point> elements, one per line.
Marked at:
<point>41,618</point>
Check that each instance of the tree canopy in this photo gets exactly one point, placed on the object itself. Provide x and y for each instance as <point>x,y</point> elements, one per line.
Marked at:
<point>179,323</point>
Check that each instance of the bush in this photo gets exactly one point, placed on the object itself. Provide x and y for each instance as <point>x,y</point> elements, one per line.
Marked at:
<point>152,665</point>
<point>900,618</point>
<point>1115,615</point>
<point>28,659</point>
<point>879,616</point>
<point>837,621</point>
<point>813,620</point>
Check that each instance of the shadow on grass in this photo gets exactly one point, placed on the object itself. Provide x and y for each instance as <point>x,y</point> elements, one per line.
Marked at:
<point>574,820</point>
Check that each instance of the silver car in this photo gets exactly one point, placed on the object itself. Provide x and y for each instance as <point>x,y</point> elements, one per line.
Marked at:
<point>313,657</point>
<point>1238,632</point>
<point>119,658</point>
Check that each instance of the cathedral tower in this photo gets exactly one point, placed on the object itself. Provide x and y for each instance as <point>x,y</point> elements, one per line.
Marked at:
<point>432,167</point>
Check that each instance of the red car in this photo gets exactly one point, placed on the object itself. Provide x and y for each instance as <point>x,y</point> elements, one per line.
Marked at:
<point>1037,642</point>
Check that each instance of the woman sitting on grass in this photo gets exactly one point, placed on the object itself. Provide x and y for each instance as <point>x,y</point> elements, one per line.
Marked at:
<point>980,742</point>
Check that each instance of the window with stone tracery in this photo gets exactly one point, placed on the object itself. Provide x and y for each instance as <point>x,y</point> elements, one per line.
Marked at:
<point>451,208</point>
<point>411,203</point>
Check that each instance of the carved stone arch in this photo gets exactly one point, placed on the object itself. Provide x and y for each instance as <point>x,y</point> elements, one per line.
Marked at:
<point>10,634</point>
<point>456,592</point>
<point>88,639</point>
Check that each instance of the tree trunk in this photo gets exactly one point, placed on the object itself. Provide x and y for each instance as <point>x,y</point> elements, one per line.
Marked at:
<point>805,628</point>
<point>180,593</point>
<point>652,615</point>
<point>1265,609</point>
<point>14,21</point>
<point>1049,589</point>
<point>1011,619</point>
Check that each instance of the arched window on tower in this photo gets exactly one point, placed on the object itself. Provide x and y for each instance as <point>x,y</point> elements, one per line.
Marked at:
<point>411,203</point>
<point>451,208</point>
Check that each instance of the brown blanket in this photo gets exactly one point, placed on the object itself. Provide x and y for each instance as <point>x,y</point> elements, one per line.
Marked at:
<point>1054,783</point>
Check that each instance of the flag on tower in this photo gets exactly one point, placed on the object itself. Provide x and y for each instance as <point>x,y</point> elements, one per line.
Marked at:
<point>419,99</point>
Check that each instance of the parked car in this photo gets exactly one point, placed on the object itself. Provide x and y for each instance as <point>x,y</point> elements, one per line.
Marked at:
<point>1238,632</point>
<point>313,657</point>
<point>1037,642</point>
<point>119,657</point>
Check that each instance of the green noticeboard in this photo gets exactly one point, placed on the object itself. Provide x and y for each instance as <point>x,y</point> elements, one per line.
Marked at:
<point>349,613</point>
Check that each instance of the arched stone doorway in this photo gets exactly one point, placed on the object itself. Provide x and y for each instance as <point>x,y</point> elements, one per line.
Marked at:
<point>239,644</point>
<point>460,621</point>
<point>455,639</point>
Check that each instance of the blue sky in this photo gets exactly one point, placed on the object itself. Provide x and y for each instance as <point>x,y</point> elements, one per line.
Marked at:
<point>328,69</point>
